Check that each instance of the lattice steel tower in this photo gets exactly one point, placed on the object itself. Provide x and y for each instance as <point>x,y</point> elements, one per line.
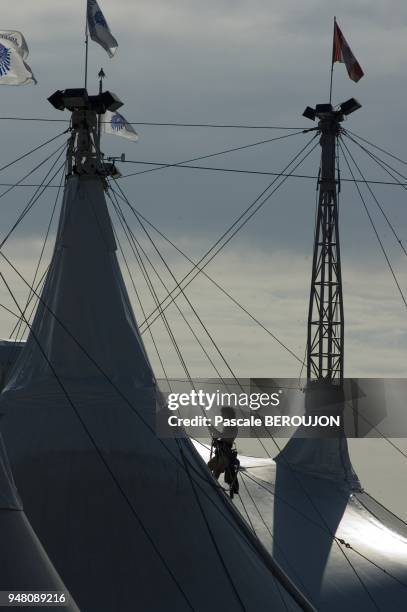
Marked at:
<point>325,345</point>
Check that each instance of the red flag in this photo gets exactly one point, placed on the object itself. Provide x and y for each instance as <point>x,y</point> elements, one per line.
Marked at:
<point>341,52</point>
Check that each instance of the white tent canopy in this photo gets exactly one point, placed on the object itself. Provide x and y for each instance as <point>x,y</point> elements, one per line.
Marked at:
<point>341,547</point>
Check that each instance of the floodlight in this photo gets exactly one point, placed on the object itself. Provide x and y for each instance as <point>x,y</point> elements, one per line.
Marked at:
<point>104,101</point>
<point>350,106</point>
<point>75,98</point>
<point>71,99</point>
<point>323,109</point>
<point>110,101</point>
<point>57,100</point>
<point>309,113</point>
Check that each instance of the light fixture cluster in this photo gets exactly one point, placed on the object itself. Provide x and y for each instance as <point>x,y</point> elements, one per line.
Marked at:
<point>78,99</point>
<point>322,110</point>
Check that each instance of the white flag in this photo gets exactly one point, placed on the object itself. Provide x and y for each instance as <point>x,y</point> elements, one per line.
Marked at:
<point>115,123</point>
<point>99,30</point>
<point>13,52</point>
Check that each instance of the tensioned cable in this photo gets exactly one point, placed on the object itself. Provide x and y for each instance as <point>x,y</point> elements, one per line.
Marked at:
<point>374,229</point>
<point>168,124</point>
<point>33,150</point>
<point>275,543</point>
<point>229,229</point>
<point>209,529</point>
<point>38,193</point>
<point>44,161</point>
<point>255,533</point>
<point>136,245</point>
<point>184,318</point>
<point>249,520</point>
<point>381,162</point>
<point>141,305</point>
<point>259,172</point>
<point>382,506</point>
<point>205,328</point>
<point>25,185</point>
<point>259,203</point>
<point>193,309</point>
<point>339,541</point>
<point>10,311</point>
<point>402,161</point>
<point>100,454</point>
<point>34,198</point>
<point>156,300</point>
<point>385,215</point>
<point>225,500</point>
<point>223,152</point>
<point>255,205</point>
<point>39,288</point>
<point>122,220</point>
<point>128,232</point>
<point>381,434</point>
<point>215,283</point>
<point>20,325</point>
<point>17,316</point>
<point>241,171</point>
<point>247,515</point>
<point>136,252</point>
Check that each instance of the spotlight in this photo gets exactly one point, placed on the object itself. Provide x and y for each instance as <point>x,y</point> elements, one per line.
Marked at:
<point>350,106</point>
<point>323,109</point>
<point>309,113</point>
<point>57,100</point>
<point>110,101</point>
<point>72,99</point>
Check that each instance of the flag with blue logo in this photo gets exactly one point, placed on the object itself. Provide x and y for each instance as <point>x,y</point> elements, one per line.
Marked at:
<point>115,123</point>
<point>99,31</point>
<point>13,53</point>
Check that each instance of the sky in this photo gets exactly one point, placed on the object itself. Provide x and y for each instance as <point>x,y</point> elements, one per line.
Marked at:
<point>250,63</point>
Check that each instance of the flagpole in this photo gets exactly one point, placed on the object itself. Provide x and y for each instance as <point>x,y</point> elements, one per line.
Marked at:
<point>101,76</point>
<point>330,85</point>
<point>332,66</point>
<point>86,46</point>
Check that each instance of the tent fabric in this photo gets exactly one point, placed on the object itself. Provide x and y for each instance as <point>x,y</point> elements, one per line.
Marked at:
<point>84,289</point>
<point>24,564</point>
<point>129,520</point>
<point>9,499</point>
<point>301,513</point>
<point>324,458</point>
<point>9,351</point>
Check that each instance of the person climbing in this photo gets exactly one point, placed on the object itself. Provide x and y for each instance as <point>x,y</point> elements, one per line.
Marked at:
<point>225,458</point>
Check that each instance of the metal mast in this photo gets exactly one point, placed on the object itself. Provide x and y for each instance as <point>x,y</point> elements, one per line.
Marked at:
<point>84,155</point>
<point>325,345</point>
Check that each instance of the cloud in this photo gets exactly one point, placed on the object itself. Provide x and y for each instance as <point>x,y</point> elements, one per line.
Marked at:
<point>274,287</point>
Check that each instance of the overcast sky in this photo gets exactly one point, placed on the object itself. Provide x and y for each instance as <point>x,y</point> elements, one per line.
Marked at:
<point>236,62</point>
